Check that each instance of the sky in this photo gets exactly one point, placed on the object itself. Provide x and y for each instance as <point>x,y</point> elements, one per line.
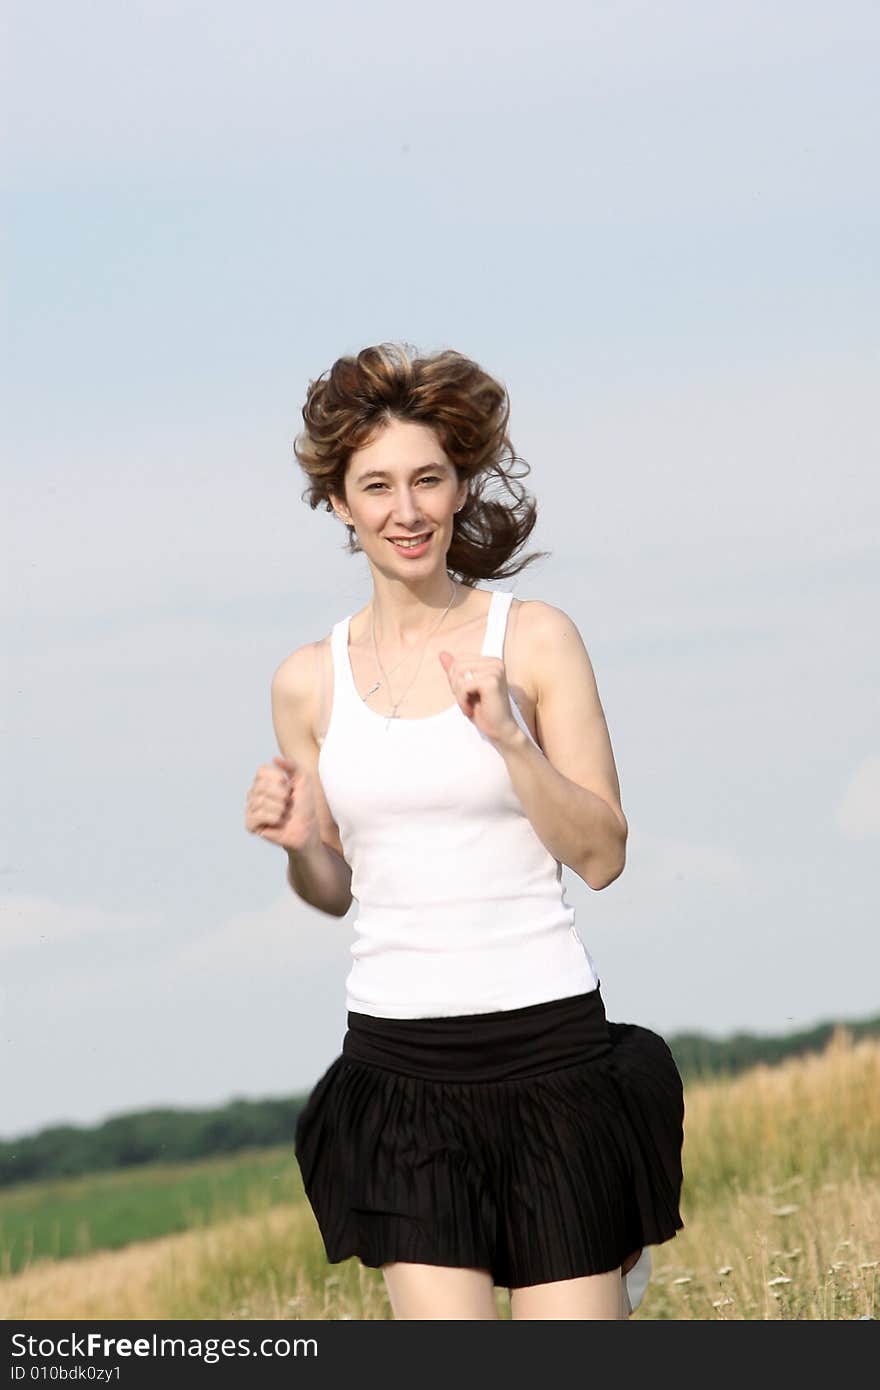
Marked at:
<point>656,226</point>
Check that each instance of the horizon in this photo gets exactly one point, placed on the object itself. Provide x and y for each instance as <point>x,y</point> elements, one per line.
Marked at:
<point>832,1025</point>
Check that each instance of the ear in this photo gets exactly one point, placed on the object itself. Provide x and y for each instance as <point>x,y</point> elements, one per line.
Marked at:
<point>340,509</point>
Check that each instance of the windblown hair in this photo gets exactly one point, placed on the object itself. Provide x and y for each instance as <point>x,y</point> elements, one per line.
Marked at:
<point>468,410</point>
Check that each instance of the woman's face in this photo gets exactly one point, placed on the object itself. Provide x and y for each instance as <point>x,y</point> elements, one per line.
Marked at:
<point>402,485</point>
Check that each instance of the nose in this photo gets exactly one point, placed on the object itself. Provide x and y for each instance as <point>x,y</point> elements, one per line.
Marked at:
<point>406,512</point>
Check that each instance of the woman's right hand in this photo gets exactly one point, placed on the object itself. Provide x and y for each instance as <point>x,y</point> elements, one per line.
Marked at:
<point>281,806</point>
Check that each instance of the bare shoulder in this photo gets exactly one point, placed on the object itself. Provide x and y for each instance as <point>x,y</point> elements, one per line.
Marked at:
<point>543,621</point>
<point>295,683</point>
<point>545,634</point>
<point>293,679</point>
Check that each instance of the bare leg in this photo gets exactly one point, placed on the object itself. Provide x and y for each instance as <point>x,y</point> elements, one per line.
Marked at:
<point>438,1291</point>
<point>593,1296</point>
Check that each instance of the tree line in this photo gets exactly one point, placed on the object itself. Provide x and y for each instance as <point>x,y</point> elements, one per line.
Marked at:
<point>170,1135</point>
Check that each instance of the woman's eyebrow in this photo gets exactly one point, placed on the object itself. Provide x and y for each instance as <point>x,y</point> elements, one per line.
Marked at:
<point>382,473</point>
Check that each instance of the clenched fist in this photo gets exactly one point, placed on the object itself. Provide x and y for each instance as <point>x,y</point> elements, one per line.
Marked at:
<point>281,806</point>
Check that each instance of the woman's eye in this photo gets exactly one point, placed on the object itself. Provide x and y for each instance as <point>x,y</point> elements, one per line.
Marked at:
<point>428,478</point>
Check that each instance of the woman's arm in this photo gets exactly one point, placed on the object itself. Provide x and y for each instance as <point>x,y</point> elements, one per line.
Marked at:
<point>319,875</point>
<point>321,878</point>
<point>570,791</point>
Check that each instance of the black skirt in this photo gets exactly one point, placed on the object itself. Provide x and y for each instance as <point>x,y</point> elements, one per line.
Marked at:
<point>539,1143</point>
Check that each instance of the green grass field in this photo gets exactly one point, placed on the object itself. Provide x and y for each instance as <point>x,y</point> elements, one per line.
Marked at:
<point>75,1216</point>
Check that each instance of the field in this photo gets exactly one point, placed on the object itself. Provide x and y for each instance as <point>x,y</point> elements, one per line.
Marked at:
<point>781,1205</point>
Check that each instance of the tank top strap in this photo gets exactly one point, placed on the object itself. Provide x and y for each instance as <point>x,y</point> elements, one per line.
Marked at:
<point>343,681</point>
<point>496,622</point>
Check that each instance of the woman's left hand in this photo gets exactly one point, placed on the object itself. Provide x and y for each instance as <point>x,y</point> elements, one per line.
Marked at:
<point>479,684</point>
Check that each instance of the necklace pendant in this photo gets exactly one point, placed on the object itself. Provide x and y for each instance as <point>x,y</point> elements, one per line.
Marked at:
<point>394,708</point>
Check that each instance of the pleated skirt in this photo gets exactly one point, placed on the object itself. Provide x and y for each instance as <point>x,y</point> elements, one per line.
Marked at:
<point>538,1143</point>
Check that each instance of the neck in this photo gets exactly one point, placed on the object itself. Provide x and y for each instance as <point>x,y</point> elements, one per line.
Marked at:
<point>404,614</point>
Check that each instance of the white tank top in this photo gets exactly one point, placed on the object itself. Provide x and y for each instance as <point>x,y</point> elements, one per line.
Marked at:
<point>462,909</point>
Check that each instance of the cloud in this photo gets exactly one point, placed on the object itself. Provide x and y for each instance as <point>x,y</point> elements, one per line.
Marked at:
<point>31,920</point>
<point>666,859</point>
<point>286,937</point>
<point>857,814</point>
<point>83,86</point>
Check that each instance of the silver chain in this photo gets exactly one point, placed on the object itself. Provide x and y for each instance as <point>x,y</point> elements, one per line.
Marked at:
<point>395,707</point>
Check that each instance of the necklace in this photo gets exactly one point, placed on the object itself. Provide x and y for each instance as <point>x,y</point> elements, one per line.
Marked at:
<point>395,707</point>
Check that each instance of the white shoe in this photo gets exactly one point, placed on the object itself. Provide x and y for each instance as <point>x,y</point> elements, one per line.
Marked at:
<point>636,1280</point>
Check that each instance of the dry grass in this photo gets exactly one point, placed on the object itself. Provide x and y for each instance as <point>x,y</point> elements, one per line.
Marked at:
<point>815,1118</point>
<point>269,1265</point>
<point>795,1253</point>
<point>781,1207</point>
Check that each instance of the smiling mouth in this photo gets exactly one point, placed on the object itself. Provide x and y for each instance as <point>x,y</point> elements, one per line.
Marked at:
<point>410,542</point>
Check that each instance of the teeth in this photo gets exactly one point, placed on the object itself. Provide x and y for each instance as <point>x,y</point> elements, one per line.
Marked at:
<point>408,545</point>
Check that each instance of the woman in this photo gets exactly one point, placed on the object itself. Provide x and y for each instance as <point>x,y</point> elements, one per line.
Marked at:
<point>444,752</point>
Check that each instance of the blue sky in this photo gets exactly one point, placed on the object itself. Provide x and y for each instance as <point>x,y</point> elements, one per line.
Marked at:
<point>657,226</point>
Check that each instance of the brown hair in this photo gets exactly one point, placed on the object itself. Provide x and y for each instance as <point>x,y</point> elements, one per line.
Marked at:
<point>467,409</point>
